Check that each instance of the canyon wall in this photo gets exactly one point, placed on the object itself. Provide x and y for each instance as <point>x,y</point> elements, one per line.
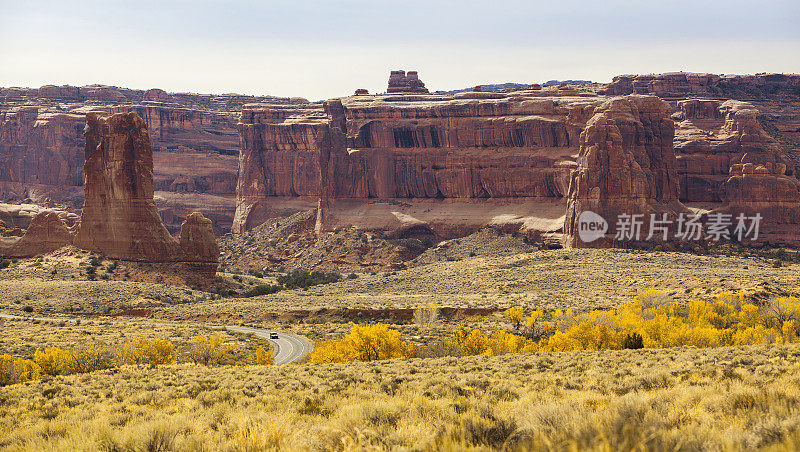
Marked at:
<point>194,139</point>
<point>435,164</point>
<point>413,164</point>
<point>682,84</point>
<point>627,166</point>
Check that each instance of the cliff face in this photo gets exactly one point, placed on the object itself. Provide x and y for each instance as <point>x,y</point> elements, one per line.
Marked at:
<point>193,136</point>
<point>714,136</point>
<point>532,160</point>
<point>682,84</point>
<point>424,163</point>
<point>41,148</point>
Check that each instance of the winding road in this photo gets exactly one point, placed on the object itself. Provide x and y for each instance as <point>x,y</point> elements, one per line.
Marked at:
<point>288,347</point>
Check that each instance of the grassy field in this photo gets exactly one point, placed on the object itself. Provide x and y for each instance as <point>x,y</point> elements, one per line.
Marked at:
<point>553,279</point>
<point>22,337</point>
<point>729,398</point>
<point>673,399</point>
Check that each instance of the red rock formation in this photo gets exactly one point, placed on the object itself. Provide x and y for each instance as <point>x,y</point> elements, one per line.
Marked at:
<point>400,82</point>
<point>626,166</point>
<point>411,163</point>
<point>446,165</point>
<point>194,138</point>
<point>46,232</point>
<point>711,137</point>
<point>119,217</point>
<point>197,238</point>
<point>279,158</point>
<point>157,95</point>
<point>64,92</point>
<point>21,215</point>
<point>41,148</point>
<point>683,84</point>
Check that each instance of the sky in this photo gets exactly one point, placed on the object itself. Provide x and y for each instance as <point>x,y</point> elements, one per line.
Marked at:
<point>328,48</point>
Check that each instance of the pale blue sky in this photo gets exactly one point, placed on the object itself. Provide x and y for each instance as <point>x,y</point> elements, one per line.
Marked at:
<point>327,48</point>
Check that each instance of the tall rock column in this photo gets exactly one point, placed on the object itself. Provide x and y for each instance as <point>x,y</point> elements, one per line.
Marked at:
<point>626,165</point>
<point>119,217</point>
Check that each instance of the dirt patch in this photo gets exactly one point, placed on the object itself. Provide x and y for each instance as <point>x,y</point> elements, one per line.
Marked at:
<point>134,313</point>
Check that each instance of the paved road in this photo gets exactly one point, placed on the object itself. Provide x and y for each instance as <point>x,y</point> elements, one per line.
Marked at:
<point>290,347</point>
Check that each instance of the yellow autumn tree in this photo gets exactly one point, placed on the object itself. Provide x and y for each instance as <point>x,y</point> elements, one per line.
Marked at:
<point>210,350</point>
<point>363,343</point>
<point>515,315</point>
<point>55,361</point>
<point>17,370</point>
<point>152,352</point>
<point>260,357</point>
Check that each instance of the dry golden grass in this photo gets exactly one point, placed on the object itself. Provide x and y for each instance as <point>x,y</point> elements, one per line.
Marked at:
<point>556,279</point>
<point>678,399</point>
<point>673,399</point>
<point>22,337</point>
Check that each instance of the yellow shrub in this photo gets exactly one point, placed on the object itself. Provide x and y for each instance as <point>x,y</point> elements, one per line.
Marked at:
<point>515,315</point>
<point>476,343</point>
<point>210,350</point>
<point>17,370</point>
<point>503,342</point>
<point>260,357</point>
<point>472,342</point>
<point>364,343</point>
<point>54,361</point>
<point>151,352</point>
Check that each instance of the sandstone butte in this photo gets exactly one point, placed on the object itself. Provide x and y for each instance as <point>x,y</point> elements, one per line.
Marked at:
<point>411,164</point>
<point>194,140</point>
<point>119,219</point>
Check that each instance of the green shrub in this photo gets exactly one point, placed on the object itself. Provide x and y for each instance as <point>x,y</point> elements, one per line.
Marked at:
<point>633,341</point>
<point>4,263</point>
<point>301,279</point>
<point>262,289</point>
<point>255,273</point>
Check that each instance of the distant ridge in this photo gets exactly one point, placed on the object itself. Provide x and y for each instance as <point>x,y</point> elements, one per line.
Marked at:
<point>515,86</point>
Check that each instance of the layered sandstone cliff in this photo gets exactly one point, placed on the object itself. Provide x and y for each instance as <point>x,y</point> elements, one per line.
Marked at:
<point>413,164</point>
<point>713,136</point>
<point>194,139</point>
<point>41,155</point>
<point>444,165</point>
<point>682,84</point>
